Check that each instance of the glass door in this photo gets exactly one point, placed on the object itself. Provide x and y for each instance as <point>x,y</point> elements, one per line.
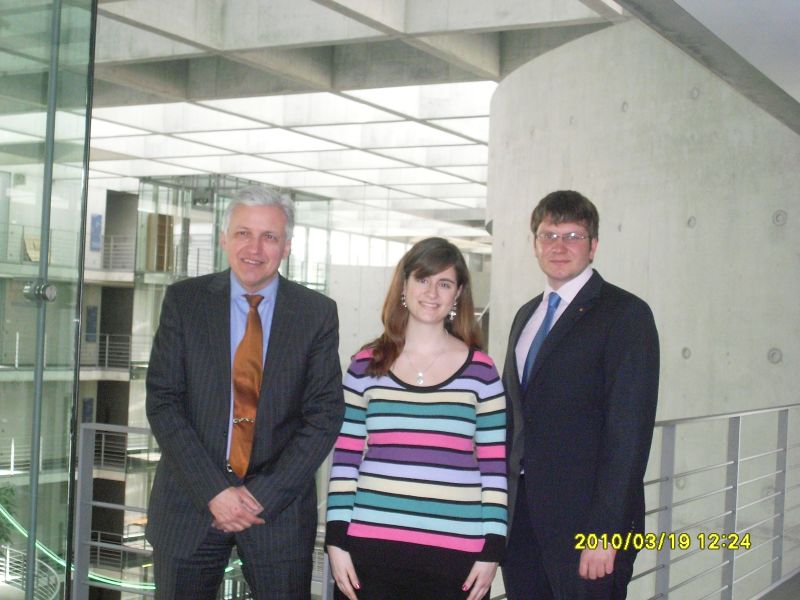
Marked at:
<point>45,50</point>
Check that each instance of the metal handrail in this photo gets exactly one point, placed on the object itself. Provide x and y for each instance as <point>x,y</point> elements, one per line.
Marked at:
<point>671,571</point>
<point>101,350</point>
<point>724,571</point>
<point>14,570</point>
<point>119,252</point>
<point>16,453</point>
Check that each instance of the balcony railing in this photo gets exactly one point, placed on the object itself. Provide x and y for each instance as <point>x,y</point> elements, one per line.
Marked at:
<point>736,473</point>
<point>110,351</point>
<point>199,256</point>
<point>119,252</point>
<point>21,244</point>
<point>15,453</point>
<point>14,569</point>
<point>104,350</point>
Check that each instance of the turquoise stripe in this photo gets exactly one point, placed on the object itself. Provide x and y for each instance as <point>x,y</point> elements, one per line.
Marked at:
<point>492,420</point>
<point>340,500</point>
<point>354,413</point>
<point>376,517</point>
<point>441,410</point>
<point>444,426</point>
<point>425,507</point>
<point>498,513</point>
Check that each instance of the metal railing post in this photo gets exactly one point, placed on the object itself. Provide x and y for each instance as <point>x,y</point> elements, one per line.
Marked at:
<point>16,351</point>
<point>665,497</point>
<point>327,579</point>
<point>781,465</point>
<point>731,499</point>
<point>83,512</point>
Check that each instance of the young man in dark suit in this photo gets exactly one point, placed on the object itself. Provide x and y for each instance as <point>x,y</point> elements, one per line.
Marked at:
<point>244,397</point>
<point>581,374</point>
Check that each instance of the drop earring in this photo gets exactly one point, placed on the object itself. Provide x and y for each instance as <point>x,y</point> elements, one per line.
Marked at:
<point>452,314</point>
<point>403,300</point>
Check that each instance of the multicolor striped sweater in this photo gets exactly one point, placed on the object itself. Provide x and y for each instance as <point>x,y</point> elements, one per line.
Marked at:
<point>419,473</point>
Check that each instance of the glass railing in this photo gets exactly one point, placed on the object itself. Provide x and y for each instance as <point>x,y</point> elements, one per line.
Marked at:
<point>16,452</point>
<point>20,244</point>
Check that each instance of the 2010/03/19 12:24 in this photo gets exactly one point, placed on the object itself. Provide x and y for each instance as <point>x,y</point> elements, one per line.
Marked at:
<point>664,540</point>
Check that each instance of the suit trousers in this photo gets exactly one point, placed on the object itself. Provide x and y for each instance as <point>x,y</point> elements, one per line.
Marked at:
<point>199,576</point>
<point>527,578</point>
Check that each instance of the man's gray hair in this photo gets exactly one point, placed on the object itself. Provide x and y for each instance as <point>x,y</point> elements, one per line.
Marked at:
<point>260,196</point>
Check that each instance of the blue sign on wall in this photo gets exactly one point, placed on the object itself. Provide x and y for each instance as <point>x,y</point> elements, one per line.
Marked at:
<point>96,233</point>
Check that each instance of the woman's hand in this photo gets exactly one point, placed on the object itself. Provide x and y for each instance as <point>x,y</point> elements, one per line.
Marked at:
<point>344,573</point>
<point>479,580</point>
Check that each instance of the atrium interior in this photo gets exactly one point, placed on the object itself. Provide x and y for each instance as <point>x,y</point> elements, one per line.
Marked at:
<point>127,125</point>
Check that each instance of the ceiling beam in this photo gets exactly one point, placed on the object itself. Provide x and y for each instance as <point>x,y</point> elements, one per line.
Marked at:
<point>478,53</point>
<point>310,66</point>
<point>167,79</point>
<point>520,47</point>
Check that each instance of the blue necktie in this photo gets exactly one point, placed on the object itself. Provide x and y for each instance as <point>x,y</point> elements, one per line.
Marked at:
<point>552,304</point>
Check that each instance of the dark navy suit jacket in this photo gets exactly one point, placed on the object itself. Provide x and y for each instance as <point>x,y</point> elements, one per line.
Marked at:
<point>585,423</point>
<point>188,402</point>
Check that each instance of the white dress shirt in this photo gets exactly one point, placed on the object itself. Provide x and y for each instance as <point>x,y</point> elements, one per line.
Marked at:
<point>567,292</point>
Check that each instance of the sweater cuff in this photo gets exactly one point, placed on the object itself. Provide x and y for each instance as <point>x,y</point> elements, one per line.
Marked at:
<point>336,534</point>
<point>494,549</point>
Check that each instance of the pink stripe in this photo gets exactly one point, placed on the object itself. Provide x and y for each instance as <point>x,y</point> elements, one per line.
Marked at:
<point>435,440</point>
<point>415,537</point>
<point>498,451</point>
<point>366,353</point>
<point>479,356</point>
<point>348,443</point>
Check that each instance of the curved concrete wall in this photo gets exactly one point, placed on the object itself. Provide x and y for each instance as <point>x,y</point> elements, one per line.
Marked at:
<point>698,191</point>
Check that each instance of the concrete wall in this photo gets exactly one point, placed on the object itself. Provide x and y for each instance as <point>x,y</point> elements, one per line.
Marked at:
<point>697,190</point>
<point>359,293</point>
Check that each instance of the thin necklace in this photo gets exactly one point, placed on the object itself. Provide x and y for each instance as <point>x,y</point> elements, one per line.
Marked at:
<point>420,380</point>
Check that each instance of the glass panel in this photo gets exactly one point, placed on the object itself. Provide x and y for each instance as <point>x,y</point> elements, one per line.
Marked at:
<point>41,199</point>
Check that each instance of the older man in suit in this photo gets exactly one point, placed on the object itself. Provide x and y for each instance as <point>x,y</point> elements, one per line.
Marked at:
<point>582,375</point>
<point>244,397</point>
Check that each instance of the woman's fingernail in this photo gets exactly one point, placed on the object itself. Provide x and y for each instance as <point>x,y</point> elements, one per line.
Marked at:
<point>358,587</point>
<point>464,587</point>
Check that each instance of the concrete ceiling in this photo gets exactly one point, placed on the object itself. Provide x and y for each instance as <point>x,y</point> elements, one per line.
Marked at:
<point>381,106</point>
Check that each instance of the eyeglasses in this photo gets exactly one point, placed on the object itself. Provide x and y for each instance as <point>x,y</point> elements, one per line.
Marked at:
<point>571,238</point>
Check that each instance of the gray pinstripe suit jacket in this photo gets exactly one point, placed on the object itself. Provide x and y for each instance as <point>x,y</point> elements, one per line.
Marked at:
<point>188,401</point>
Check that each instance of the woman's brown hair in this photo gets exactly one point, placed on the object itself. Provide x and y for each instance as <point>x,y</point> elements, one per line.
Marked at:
<point>425,258</point>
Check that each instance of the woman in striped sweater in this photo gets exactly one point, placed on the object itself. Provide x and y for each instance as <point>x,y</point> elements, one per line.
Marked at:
<point>417,496</point>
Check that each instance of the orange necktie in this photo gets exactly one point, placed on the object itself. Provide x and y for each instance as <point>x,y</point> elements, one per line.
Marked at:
<point>247,372</point>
